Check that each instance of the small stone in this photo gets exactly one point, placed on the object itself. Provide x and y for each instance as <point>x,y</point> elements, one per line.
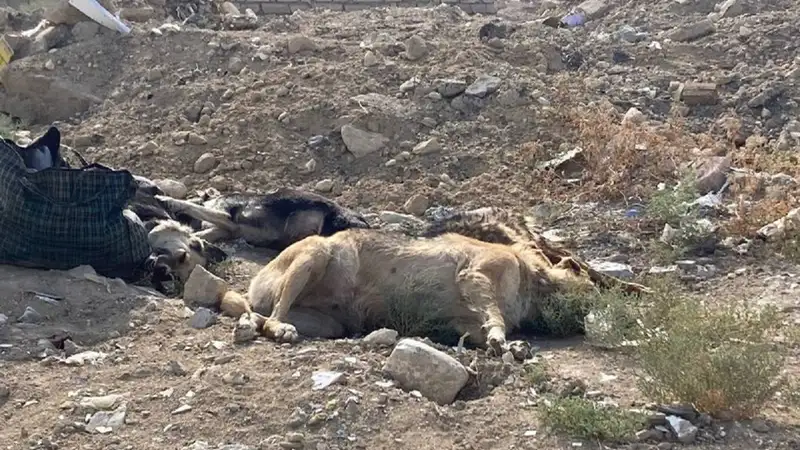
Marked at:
<point>236,378</point>
<point>416,205</point>
<point>236,65</point>
<point>205,163</point>
<point>300,43</point>
<point>428,146</point>
<point>694,31</point>
<point>731,8</point>
<point>409,85</point>
<point>172,188</point>
<point>196,139</point>
<point>204,288</point>
<point>684,431</point>
<point>760,426</point>
<point>448,88</point>
<point>176,368</point>
<point>416,48</point>
<point>483,86</point>
<point>325,185</point>
<point>49,65</point>
<point>383,337</point>
<point>362,143</point>
<point>417,366</point>
<point>148,148</point>
<point>633,117</point>
<point>613,269</point>
<point>181,409</point>
<point>593,8</point>
<point>229,8</point>
<point>30,315</point>
<point>105,422</point>
<point>83,31</point>
<point>203,318</point>
<point>370,59</point>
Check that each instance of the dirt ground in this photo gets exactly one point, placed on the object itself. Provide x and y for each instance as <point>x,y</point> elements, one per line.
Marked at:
<point>264,109</point>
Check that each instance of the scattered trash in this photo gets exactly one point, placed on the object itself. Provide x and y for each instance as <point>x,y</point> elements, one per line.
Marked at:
<point>574,19</point>
<point>324,378</point>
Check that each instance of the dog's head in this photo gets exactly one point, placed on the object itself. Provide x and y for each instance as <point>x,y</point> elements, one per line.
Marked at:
<point>176,252</point>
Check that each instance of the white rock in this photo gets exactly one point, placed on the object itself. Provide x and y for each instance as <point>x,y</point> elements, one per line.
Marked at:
<point>172,188</point>
<point>613,269</point>
<point>203,318</point>
<point>361,143</point>
<point>370,59</point>
<point>300,43</point>
<point>205,163</point>
<point>428,146</point>
<point>483,86</point>
<point>417,366</point>
<point>3,319</point>
<point>633,117</point>
<point>203,288</point>
<point>383,337</point>
<point>683,429</point>
<point>325,185</point>
<point>105,421</point>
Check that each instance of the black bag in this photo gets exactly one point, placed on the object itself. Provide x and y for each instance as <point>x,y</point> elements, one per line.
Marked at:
<point>60,218</point>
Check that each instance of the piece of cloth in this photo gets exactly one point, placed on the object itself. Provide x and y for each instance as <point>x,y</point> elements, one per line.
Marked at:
<point>60,218</point>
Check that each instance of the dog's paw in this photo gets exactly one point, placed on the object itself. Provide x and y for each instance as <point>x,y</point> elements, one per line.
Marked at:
<point>246,329</point>
<point>281,332</point>
<point>496,343</point>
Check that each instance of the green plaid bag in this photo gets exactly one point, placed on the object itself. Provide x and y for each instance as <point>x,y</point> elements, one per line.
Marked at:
<point>63,218</point>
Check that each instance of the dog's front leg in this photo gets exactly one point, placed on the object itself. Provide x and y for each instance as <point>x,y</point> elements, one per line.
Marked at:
<point>214,234</point>
<point>479,292</point>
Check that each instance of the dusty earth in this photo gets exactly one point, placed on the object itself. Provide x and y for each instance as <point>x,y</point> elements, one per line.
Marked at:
<point>264,108</point>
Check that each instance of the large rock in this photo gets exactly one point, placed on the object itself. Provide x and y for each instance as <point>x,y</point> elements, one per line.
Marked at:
<point>66,14</point>
<point>361,143</point>
<point>712,174</point>
<point>40,99</point>
<point>435,374</point>
<point>203,288</point>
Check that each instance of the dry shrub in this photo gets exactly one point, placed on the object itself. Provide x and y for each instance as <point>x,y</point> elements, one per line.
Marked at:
<point>584,419</point>
<point>722,358</point>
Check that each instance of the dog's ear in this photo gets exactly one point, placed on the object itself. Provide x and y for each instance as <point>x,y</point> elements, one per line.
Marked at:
<point>212,253</point>
<point>215,254</point>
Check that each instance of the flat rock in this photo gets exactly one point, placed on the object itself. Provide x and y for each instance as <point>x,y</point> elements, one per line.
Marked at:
<point>613,269</point>
<point>203,318</point>
<point>204,288</point>
<point>172,188</point>
<point>383,337</point>
<point>205,163</point>
<point>362,143</point>
<point>417,366</point>
<point>684,431</point>
<point>693,31</point>
<point>483,86</point>
<point>449,88</point>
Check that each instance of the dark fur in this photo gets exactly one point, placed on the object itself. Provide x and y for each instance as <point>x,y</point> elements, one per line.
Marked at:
<point>43,153</point>
<point>274,220</point>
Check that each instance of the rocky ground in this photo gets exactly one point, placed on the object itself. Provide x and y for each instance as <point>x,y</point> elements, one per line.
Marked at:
<point>399,113</point>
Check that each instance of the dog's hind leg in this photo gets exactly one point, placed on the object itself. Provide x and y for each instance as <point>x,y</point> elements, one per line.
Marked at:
<point>483,298</point>
<point>219,218</point>
<point>298,267</point>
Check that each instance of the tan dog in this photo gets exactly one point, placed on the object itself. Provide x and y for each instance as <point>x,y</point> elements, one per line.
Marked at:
<point>481,288</point>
